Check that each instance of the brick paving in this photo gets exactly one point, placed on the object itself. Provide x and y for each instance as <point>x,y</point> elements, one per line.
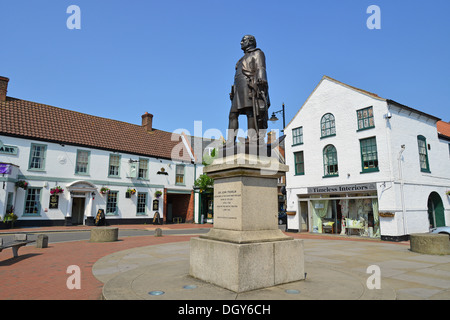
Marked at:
<point>41,274</point>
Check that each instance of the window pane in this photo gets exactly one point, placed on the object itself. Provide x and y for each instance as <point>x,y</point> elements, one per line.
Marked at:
<point>32,201</point>
<point>141,203</point>
<point>365,118</point>
<point>179,177</point>
<point>330,162</point>
<point>37,157</point>
<point>423,154</point>
<point>143,168</point>
<point>299,163</point>
<point>369,154</point>
<point>111,202</point>
<point>297,136</point>
<point>114,165</point>
<point>328,125</point>
<point>82,162</point>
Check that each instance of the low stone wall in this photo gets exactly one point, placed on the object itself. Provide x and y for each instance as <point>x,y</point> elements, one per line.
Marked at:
<point>430,243</point>
<point>104,234</point>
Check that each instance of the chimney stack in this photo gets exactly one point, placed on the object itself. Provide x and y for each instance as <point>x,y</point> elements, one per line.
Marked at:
<point>271,137</point>
<point>147,121</point>
<point>3,88</point>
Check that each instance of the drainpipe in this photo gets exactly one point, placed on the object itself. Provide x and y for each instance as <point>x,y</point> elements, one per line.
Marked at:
<point>402,194</point>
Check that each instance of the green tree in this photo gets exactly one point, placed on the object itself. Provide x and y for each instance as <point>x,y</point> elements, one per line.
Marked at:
<point>204,182</point>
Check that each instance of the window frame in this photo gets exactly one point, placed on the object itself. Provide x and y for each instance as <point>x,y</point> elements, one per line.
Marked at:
<point>183,183</point>
<point>146,169</point>
<point>118,166</point>
<point>138,204</point>
<point>366,147</point>
<point>108,205</point>
<point>421,138</point>
<point>38,201</point>
<point>362,119</point>
<point>297,133</point>
<point>327,155</point>
<point>301,163</point>
<point>77,170</point>
<point>41,158</point>
<point>324,121</point>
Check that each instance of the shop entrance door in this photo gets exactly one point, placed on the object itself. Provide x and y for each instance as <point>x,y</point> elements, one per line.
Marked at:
<point>436,210</point>
<point>78,211</point>
<point>304,225</point>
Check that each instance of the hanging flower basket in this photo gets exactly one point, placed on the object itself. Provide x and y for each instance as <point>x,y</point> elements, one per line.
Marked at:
<point>104,190</point>
<point>158,194</point>
<point>21,184</point>
<point>56,190</point>
<point>130,192</point>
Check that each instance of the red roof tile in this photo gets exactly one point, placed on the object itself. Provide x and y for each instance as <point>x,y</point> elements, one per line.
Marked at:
<point>443,128</point>
<point>47,123</point>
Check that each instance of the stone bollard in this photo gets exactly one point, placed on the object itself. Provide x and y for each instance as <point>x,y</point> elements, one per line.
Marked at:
<point>104,234</point>
<point>42,241</point>
<point>158,232</point>
<point>430,243</point>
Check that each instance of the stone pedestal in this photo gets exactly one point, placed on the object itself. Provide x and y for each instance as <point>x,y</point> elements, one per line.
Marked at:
<point>104,234</point>
<point>245,250</point>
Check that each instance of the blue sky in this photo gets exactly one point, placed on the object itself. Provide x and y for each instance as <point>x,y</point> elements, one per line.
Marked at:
<point>175,59</point>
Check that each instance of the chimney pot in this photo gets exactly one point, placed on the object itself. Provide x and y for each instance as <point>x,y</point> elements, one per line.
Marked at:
<point>271,137</point>
<point>3,88</point>
<point>147,121</point>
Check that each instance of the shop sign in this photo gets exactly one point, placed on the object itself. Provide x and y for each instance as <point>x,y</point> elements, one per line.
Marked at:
<point>54,200</point>
<point>12,150</point>
<point>363,187</point>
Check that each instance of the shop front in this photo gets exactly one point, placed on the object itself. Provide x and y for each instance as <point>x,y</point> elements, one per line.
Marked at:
<point>342,209</point>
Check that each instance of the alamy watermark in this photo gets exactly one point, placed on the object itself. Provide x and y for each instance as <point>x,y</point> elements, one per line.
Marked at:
<point>374,21</point>
<point>74,280</point>
<point>74,20</point>
<point>374,281</point>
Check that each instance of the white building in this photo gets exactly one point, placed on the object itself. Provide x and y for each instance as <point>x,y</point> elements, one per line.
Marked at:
<point>49,147</point>
<point>363,164</point>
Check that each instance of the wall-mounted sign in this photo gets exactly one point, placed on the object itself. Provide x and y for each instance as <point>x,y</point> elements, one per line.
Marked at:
<point>54,200</point>
<point>363,187</point>
<point>155,205</point>
<point>11,150</point>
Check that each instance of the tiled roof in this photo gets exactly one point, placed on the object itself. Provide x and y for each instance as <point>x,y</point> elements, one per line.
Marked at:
<point>52,124</point>
<point>443,128</point>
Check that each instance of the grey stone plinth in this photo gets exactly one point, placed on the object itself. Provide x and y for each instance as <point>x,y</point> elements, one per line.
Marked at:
<point>42,241</point>
<point>104,234</point>
<point>429,243</point>
<point>245,267</point>
<point>245,250</point>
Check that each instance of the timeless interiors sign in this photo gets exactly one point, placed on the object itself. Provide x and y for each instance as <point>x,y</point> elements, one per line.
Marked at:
<point>344,188</point>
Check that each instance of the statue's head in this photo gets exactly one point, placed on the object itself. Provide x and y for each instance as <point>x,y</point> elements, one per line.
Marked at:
<point>247,42</point>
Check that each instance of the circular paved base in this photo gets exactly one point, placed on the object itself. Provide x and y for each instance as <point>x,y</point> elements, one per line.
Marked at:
<point>139,273</point>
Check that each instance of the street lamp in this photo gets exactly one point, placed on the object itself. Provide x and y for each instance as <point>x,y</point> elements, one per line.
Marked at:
<point>274,118</point>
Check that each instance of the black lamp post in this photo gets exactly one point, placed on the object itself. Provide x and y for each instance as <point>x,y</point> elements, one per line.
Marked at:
<point>274,118</point>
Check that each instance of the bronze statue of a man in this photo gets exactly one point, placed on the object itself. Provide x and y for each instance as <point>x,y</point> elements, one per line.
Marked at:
<point>249,94</point>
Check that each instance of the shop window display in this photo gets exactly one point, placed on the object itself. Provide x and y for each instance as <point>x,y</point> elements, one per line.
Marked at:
<point>357,215</point>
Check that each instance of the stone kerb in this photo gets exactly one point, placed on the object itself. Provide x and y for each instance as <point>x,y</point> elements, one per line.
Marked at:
<point>426,243</point>
<point>104,234</point>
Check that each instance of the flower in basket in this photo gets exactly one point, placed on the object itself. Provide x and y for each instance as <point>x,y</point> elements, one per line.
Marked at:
<point>10,217</point>
<point>22,184</point>
<point>448,192</point>
<point>56,190</point>
<point>131,191</point>
<point>104,190</point>
<point>158,193</point>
